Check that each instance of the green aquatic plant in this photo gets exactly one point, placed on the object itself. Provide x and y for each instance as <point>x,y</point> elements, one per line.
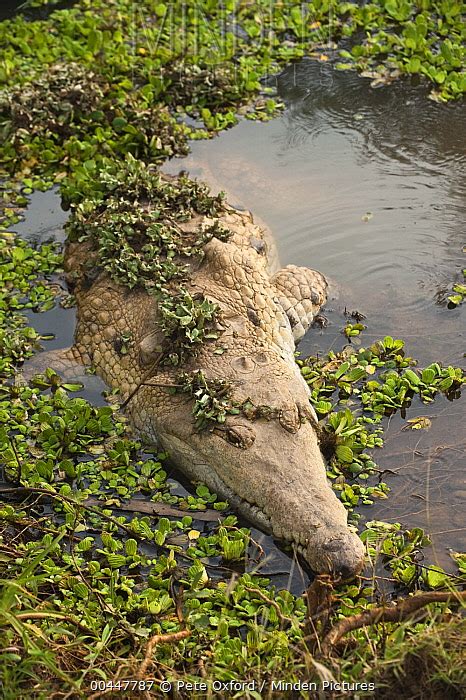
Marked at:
<point>186,322</point>
<point>459,295</point>
<point>24,284</point>
<point>373,382</point>
<point>81,463</point>
<point>423,39</point>
<point>134,221</point>
<point>125,577</point>
<point>121,79</point>
<point>353,329</point>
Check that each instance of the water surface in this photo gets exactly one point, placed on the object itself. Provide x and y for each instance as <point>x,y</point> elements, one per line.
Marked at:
<point>368,186</point>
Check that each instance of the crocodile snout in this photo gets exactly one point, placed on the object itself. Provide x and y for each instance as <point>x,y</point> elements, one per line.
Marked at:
<point>342,556</point>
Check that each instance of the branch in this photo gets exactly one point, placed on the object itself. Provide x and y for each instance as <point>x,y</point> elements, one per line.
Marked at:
<point>132,506</point>
<point>159,639</point>
<point>403,609</point>
<point>32,615</point>
<point>157,508</point>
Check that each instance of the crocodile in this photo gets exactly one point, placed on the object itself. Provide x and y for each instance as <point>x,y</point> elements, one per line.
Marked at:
<point>266,463</point>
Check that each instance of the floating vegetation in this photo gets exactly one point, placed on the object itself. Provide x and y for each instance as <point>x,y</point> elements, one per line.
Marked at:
<point>24,272</point>
<point>101,84</point>
<point>133,219</point>
<point>424,38</point>
<point>119,559</point>
<point>459,293</point>
<point>376,382</point>
<point>187,321</point>
<point>134,222</point>
<point>109,578</point>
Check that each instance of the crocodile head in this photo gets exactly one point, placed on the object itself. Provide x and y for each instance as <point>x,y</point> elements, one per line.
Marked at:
<point>269,466</point>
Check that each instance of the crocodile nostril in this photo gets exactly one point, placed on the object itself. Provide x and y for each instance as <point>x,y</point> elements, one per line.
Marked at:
<point>245,365</point>
<point>333,545</point>
<point>346,572</point>
<point>345,559</point>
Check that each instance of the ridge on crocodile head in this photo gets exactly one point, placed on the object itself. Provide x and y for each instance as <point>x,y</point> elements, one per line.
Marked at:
<point>263,456</point>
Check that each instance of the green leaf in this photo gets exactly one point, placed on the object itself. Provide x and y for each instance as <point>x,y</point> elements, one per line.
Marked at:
<point>116,561</point>
<point>73,387</point>
<point>119,123</point>
<point>323,407</point>
<point>412,377</point>
<point>436,577</point>
<point>341,370</point>
<point>81,590</point>
<point>344,453</point>
<point>131,547</point>
<point>407,575</point>
<point>428,375</point>
<point>355,374</point>
<point>94,40</point>
<point>413,65</point>
<point>160,9</point>
<point>440,76</point>
<point>85,544</point>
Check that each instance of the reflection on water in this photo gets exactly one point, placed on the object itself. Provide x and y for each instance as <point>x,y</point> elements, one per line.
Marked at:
<point>9,8</point>
<point>368,186</point>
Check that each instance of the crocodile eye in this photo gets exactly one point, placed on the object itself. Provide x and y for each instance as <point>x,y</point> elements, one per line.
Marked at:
<point>149,349</point>
<point>261,358</point>
<point>241,436</point>
<point>258,245</point>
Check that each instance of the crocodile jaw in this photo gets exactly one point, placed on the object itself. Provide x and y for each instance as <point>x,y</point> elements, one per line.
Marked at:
<point>279,484</point>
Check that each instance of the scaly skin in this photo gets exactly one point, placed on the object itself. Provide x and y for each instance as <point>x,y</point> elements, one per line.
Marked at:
<point>271,471</point>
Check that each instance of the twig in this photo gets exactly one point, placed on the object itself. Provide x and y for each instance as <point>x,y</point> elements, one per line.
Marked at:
<point>18,461</point>
<point>133,506</point>
<point>159,639</point>
<point>177,596</point>
<point>421,566</point>
<point>47,616</point>
<point>101,693</point>
<point>153,508</point>
<point>403,609</point>
<point>379,578</point>
<point>319,603</point>
<point>10,552</point>
<point>202,671</point>
<point>261,552</point>
<point>78,504</point>
<point>146,376</point>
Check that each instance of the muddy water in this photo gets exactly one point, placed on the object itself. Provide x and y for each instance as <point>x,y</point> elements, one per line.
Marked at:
<point>368,186</point>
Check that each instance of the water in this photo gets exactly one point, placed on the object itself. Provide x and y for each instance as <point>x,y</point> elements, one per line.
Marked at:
<point>366,185</point>
<point>9,8</point>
